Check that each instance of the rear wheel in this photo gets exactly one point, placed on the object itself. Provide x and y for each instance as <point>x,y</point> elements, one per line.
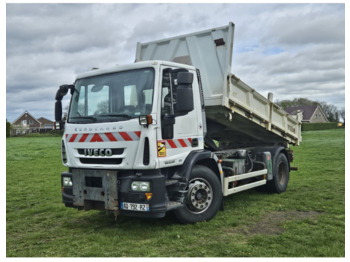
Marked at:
<point>204,196</point>
<point>281,175</point>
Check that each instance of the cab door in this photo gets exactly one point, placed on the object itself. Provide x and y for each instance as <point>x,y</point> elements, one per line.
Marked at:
<point>179,131</point>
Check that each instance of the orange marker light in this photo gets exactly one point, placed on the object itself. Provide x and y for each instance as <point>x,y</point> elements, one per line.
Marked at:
<point>148,196</point>
<point>149,119</point>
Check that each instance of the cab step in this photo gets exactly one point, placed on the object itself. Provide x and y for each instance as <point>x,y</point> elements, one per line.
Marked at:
<point>171,182</point>
<point>172,205</point>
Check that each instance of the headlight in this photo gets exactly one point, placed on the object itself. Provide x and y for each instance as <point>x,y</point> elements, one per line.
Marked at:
<point>140,186</point>
<point>67,181</point>
<point>144,186</point>
<point>135,186</point>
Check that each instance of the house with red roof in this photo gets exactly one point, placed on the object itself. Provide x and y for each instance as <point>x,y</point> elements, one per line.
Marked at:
<point>26,124</point>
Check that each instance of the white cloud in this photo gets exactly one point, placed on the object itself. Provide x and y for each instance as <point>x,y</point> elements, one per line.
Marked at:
<point>293,50</point>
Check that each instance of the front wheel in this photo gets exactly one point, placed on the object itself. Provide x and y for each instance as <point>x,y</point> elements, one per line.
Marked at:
<point>204,196</point>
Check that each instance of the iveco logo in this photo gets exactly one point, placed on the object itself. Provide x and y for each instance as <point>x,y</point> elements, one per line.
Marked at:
<point>97,152</point>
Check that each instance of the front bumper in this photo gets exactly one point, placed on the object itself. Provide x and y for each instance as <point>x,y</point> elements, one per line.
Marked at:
<point>105,190</point>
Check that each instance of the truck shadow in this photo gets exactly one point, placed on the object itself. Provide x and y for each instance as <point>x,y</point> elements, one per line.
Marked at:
<point>97,221</point>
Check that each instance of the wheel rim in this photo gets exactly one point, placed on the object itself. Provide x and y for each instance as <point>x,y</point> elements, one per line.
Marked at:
<point>200,195</point>
<point>281,174</point>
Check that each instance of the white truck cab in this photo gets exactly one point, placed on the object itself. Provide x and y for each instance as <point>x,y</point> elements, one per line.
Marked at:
<point>103,126</point>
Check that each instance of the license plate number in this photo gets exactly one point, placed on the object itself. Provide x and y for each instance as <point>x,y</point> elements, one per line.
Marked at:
<point>134,207</point>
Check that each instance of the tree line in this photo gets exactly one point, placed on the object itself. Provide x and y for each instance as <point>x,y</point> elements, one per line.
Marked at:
<point>332,113</point>
<point>8,128</point>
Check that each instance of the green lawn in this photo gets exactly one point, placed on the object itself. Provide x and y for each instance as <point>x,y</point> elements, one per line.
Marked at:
<point>308,220</point>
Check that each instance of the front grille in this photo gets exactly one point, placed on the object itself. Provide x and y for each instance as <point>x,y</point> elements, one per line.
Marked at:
<point>115,151</point>
<point>101,161</point>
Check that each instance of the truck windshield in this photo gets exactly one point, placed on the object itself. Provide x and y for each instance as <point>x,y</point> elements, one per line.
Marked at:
<point>112,97</point>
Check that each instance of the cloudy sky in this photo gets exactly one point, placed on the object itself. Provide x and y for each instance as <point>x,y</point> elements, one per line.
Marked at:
<point>292,50</point>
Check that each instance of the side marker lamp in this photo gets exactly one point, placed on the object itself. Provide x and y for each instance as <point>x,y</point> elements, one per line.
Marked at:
<point>148,196</point>
<point>145,120</point>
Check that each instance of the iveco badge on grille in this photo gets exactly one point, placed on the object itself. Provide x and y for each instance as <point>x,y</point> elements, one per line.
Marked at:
<point>97,152</point>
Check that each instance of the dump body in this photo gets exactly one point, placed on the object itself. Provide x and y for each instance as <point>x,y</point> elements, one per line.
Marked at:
<point>237,115</point>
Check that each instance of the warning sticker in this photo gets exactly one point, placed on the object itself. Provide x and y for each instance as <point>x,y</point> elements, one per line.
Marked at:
<point>161,149</point>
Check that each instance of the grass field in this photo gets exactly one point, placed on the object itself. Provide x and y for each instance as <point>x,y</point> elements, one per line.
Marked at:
<point>308,220</point>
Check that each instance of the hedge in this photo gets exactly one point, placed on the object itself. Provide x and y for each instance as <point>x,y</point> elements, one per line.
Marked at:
<point>8,129</point>
<point>318,126</point>
<point>46,134</point>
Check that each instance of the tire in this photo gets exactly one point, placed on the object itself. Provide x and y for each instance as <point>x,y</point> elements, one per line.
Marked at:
<point>280,175</point>
<point>204,196</point>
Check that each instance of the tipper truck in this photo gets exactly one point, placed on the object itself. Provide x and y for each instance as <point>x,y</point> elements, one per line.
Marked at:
<point>175,130</point>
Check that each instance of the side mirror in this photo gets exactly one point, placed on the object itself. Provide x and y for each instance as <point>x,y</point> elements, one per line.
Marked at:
<point>184,100</point>
<point>63,90</point>
<point>58,111</point>
<point>185,78</point>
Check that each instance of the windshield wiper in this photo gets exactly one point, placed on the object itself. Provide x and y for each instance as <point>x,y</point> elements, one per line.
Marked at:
<point>83,117</point>
<point>116,115</point>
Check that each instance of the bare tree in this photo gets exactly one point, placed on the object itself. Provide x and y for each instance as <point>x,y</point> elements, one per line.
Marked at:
<point>295,102</point>
<point>65,113</point>
<point>330,111</point>
<point>102,107</point>
<point>342,115</point>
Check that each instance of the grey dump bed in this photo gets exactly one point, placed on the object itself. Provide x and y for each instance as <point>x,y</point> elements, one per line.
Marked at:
<point>236,113</point>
